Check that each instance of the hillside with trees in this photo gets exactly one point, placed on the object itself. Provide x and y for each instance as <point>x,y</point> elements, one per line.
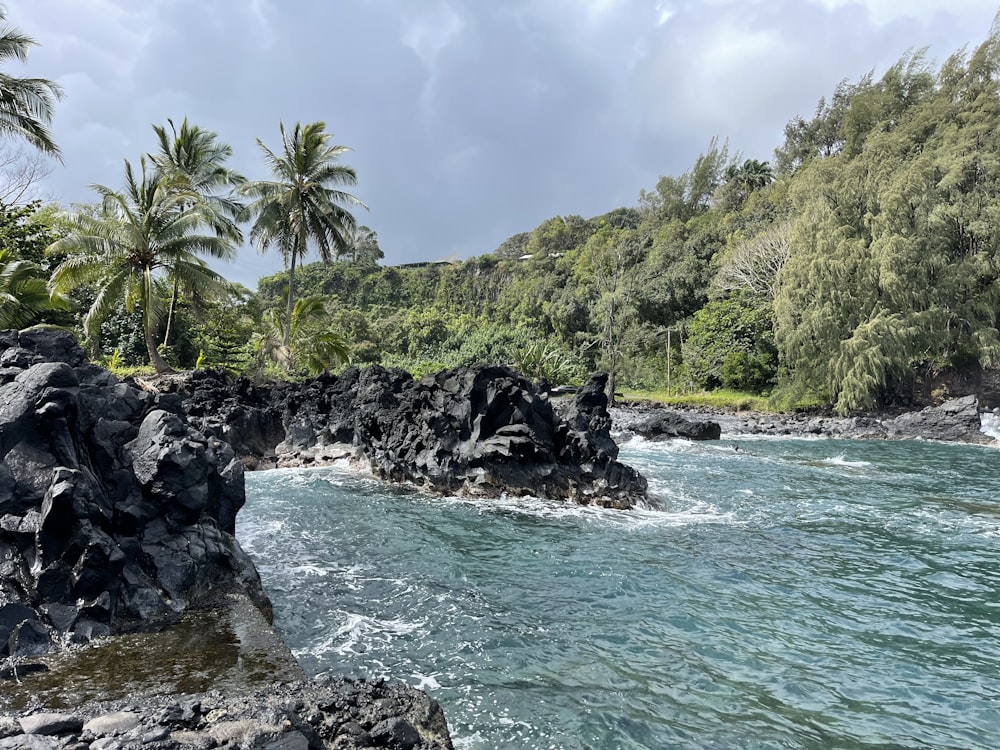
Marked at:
<point>858,270</point>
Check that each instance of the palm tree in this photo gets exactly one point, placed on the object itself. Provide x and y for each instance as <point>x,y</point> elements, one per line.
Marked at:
<point>25,103</point>
<point>149,229</point>
<point>193,160</point>
<point>24,295</point>
<point>303,202</point>
<point>308,343</point>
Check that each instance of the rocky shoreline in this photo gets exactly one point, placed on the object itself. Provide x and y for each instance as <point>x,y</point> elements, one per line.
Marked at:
<point>479,431</point>
<point>954,420</point>
<point>120,575</point>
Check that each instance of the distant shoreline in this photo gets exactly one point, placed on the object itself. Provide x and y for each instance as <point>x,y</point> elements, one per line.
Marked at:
<point>956,420</point>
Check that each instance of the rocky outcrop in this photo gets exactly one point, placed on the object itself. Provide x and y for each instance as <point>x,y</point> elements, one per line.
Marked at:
<point>113,510</point>
<point>955,419</point>
<point>117,517</point>
<point>480,431</point>
<point>668,424</point>
<point>342,714</point>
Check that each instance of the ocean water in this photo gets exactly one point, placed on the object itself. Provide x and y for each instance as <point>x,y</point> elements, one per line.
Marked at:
<point>792,594</point>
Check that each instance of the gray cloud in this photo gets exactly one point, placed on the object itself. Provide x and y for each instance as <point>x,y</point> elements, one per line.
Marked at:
<point>469,121</point>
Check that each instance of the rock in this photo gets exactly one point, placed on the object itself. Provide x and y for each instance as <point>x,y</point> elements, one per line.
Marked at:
<point>956,419</point>
<point>30,638</point>
<point>477,431</point>
<point>668,424</point>
<point>396,732</point>
<point>11,617</point>
<point>30,742</point>
<point>112,724</point>
<point>116,513</point>
<point>51,723</point>
<point>112,510</point>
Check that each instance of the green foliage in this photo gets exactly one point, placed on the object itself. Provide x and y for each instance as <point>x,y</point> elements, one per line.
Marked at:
<point>730,344</point>
<point>303,202</point>
<point>26,104</point>
<point>136,236</point>
<point>309,347</point>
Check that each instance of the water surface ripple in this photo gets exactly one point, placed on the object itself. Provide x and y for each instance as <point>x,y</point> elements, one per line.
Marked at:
<point>794,594</point>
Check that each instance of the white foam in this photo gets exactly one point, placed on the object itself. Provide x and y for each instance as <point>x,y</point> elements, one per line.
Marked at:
<point>357,628</point>
<point>841,460</point>
<point>989,424</point>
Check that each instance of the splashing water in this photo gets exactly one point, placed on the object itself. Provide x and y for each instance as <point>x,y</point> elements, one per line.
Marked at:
<point>794,593</point>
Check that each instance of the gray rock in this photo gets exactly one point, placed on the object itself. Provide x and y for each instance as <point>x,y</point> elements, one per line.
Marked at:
<point>112,725</point>
<point>30,742</point>
<point>289,741</point>
<point>51,723</point>
<point>956,419</point>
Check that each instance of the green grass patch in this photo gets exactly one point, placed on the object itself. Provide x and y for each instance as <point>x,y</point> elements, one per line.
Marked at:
<point>720,399</point>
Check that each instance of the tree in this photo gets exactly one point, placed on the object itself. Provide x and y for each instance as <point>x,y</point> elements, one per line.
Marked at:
<point>24,295</point>
<point>308,344</point>
<point>26,104</point>
<point>363,247</point>
<point>612,262</point>
<point>134,236</point>
<point>192,161</point>
<point>303,202</point>
<point>731,344</point>
<point>752,265</point>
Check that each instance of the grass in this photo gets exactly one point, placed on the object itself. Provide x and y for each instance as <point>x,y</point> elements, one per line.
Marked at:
<point>720,399</point>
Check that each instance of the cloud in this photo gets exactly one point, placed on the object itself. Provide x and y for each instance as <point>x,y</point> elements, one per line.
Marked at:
<point>469,121</point>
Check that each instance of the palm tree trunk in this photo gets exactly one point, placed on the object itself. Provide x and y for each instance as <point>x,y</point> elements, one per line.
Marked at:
<point>170,311</point>
<point>288,312</point>
<point>159,363</point>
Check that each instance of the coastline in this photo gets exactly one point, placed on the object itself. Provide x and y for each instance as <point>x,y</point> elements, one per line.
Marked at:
<point>957,420</point>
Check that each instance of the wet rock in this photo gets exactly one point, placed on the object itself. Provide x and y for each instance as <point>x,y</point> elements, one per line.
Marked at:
<point>956,419</point>
<point>112,724</point>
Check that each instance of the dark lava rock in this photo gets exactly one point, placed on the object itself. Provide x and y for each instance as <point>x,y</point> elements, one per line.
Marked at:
<point>668,424</point>
<point>112,509</point>
<point>480,431</point>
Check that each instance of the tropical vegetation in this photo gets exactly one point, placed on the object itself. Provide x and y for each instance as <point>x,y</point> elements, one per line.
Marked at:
<point>859,268</point>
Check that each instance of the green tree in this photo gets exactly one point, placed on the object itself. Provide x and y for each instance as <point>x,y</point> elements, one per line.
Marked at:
<point>24,293</point>
<point>303,202</point>
<point>308,345</point>
<point>193,161</point>
<point>730,344</point>
<point>135,236</point>
<point>26,104</point>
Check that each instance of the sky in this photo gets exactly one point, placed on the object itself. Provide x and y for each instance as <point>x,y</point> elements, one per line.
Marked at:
<point>469,120</point>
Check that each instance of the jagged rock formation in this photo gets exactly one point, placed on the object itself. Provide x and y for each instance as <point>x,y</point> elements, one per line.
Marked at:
<point>112,509</point>
<point>482,430</point>
<point>955,419</point>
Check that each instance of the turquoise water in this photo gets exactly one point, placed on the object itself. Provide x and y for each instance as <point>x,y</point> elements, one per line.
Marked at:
<point>794,593</point>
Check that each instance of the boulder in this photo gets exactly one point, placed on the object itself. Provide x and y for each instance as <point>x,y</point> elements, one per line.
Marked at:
<point>668,424</point>
<point>956,419</point>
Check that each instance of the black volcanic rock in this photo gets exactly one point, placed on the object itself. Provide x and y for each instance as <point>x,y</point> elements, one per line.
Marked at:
<point>113,510</point>
<point>483,430</point>
<point>668,424</point>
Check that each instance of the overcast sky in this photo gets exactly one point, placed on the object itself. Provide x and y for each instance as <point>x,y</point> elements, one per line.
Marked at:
<point>469,120</point>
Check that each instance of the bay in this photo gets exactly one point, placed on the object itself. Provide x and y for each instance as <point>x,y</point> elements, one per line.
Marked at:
<point>792,593</point>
